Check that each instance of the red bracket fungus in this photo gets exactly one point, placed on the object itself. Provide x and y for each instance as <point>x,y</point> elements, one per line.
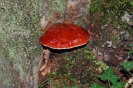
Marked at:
<point>64,36</point>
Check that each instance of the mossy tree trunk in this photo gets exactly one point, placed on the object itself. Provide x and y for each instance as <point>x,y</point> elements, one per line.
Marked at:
<point>20,50</point>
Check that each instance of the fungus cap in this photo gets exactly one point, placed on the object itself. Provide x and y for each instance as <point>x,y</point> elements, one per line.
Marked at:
<point>64,36</point>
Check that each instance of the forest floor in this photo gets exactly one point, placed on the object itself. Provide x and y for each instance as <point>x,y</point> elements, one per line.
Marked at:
<point>111,52</point>
<point>77,68</point>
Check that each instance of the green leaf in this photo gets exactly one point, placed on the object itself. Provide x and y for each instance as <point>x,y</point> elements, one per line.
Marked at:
<point>128,65</point>
<point>109,75</point>
<point>66,87</point>
<point>115,25</point>
<point>75,86</point>
<point>118,85</point>
<point>129,52</point>
<point>95,85</point>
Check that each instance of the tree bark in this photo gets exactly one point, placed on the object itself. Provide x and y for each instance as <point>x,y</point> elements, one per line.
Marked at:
<point>20,50</point>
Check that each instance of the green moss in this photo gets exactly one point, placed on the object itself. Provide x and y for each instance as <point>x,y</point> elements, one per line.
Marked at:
<point>107,15</point>
<point>109,12</point>
<point>80,68</point>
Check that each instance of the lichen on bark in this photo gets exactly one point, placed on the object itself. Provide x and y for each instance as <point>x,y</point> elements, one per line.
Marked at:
<point>20,49</point>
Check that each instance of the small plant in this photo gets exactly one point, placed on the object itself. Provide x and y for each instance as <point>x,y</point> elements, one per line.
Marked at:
<point>131,51</point>
<point>113,80</point>
<point>127,66</point>
<point>95,85</point>
<point>110,78</point>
